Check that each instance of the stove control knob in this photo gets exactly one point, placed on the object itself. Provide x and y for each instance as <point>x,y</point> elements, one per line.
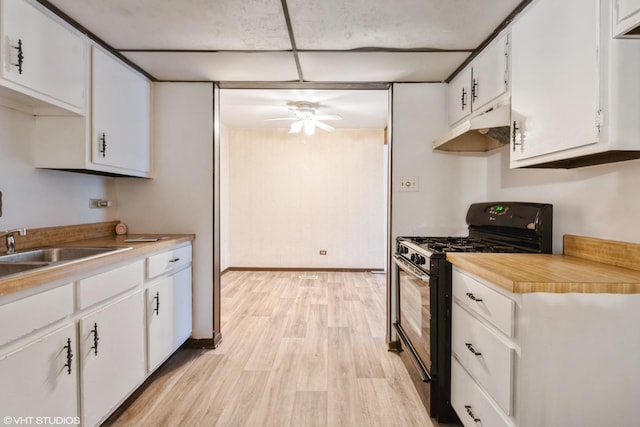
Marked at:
<point>414,258</point>
<point>403,249</point>
<point>423,260</point>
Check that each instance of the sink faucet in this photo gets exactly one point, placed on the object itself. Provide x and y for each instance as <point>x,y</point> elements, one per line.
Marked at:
<point>11,240</point>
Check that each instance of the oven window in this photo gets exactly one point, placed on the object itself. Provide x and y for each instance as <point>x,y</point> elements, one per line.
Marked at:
<point>415,314</point>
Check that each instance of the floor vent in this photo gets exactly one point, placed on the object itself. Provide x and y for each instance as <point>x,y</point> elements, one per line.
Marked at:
<point>308,277</point>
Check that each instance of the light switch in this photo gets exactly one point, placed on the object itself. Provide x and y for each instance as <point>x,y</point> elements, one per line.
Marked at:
<point>409,183</point>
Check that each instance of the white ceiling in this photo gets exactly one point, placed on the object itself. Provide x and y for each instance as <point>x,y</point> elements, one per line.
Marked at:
<point>323,41</point>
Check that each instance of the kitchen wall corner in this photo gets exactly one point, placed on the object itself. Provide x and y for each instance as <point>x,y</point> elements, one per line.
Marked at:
<point>179,198</point>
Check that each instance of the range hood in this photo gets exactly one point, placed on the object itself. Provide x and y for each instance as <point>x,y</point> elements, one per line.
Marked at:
<point>483,132</point>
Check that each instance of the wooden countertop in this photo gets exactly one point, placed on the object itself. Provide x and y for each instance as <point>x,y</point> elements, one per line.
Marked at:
<point>37,277</point>
<point>522,273</point>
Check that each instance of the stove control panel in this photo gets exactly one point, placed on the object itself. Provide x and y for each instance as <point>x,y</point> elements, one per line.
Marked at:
<point>497,209</point>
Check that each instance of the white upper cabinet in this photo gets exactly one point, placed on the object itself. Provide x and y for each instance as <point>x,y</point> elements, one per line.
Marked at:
<point>483,81</point>
<point>42,58</point>
<point>120,111</point>
<point>555,81</point>
<point>574,89</point>
<point>114,138</point>
<point>626,18</point>
<point>460,96</point>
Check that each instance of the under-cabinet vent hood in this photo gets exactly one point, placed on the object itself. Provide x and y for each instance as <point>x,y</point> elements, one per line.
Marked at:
<point>483,132</point>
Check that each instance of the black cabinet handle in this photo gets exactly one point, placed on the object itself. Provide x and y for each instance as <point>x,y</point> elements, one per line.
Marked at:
<point>69,356</point>
<point>94,331</point>
<point>463,98</point>
<point>473,350</point>
<point>474,90</point>
<point>514,134</point>
<point>102,139</point>
<point>171,261</point>
<point>473,297</point>
<point>20,62</point>
<point>470,412</point>
<point>156,309</point>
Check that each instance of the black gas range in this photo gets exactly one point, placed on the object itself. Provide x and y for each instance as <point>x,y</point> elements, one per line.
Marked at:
<point>422,291</point>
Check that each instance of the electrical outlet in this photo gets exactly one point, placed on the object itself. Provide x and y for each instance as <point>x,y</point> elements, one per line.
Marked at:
<point>323,252</point>
<point>409,183</point>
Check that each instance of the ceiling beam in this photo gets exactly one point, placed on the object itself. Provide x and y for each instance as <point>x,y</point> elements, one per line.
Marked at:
<point>306,85</point>
<point>292,39</point>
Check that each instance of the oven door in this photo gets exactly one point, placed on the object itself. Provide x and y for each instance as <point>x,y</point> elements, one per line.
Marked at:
<point>413,322</point>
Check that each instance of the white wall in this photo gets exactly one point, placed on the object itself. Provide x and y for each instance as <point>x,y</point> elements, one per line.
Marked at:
<point>224,197</point>
<point>447,183</point>
<point>179,198</point>
<point>597,201</point>
<point>291,196</point>
<point>35,198</point>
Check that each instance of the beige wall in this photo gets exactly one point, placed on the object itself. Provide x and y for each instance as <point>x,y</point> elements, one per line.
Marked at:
<point>291,196</point>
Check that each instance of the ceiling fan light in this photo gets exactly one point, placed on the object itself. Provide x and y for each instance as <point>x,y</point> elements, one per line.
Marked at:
<point>296,127</point>
<point>309,127</point>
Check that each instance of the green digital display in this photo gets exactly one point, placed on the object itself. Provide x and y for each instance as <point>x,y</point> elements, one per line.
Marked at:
<point>499,208</point>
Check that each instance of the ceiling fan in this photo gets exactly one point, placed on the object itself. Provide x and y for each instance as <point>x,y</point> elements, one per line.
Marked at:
<point>305,117</point>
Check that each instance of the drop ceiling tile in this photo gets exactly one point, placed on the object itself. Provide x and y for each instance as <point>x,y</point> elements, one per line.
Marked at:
<point>379,66</point>
<point>441,24</point>
<point>184,24</point>
<point>217,66</point>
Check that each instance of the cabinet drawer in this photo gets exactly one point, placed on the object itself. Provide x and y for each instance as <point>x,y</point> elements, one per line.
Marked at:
<point>470,403</point>
<point>41,310</point>
<point>105,285</point>
<point>496,308</point>
<point>167,261</point>
<point>488,359</point>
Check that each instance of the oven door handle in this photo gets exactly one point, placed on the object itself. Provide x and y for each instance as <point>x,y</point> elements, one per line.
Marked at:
<point>408,268</point>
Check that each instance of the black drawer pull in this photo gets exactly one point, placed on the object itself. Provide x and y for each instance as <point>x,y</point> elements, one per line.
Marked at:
<point>473,297</point>
<point>473,350</point>
<point>470,412</point>
<point>94,331</point>
<point>156,309</point>
<point>102,139</point>
<point>171,261</point>
<point>69,356</point>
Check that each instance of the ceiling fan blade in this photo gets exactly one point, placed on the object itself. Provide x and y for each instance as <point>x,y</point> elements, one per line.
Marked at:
<point>296,126</point>
<point>325,126</point>
<point>281,118</point>
<point>328,117</point>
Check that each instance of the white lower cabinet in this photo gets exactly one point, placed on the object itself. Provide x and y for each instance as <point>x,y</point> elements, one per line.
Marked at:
<point>473,406</point>
<point>168,316</point>
<point>78,349</point>
<point>111,356</point>
<point>40,379</point>
<point>571,359</point>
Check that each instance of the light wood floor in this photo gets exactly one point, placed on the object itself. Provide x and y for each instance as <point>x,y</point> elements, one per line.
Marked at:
<point>296,351</point>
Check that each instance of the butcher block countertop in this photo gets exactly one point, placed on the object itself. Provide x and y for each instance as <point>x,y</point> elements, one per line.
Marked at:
<point>588,265</point>
<point>37,277</point>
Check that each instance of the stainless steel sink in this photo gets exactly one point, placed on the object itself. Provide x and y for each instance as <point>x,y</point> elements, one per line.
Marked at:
<point>40,258</point>
<point>9,268</point>
<point>56,254</point>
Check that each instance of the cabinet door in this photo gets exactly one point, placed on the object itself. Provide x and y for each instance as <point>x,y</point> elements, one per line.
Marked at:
<point>112,355</point>
<point>41,379</point>
<point>626,16</point>
<point>555,78</point>
<point>168,315</point>
<point>460,96</point>
<point>121,108</point>
<point>490,77</point>
<point>42,56</point>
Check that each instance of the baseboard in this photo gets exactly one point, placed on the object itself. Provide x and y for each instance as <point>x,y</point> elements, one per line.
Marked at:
<point>207,343</point>
<point>334,269</point>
